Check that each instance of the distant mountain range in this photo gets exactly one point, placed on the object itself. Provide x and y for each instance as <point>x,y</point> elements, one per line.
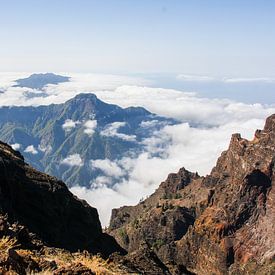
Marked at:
<point>62,139</point>
<point>39,81</point>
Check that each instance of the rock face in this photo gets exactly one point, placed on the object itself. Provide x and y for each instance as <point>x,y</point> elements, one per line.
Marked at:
<point>46,207</point>
<point>219,224</point>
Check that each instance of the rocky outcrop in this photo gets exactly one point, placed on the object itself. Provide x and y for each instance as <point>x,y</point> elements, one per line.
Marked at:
<point>45,228</point>
<point>46,207</point>
<point>219,224</point>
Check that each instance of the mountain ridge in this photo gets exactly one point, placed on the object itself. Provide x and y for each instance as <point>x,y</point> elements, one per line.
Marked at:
<point>218,224</point>
<point>84,125</point>
<point>44,228</point>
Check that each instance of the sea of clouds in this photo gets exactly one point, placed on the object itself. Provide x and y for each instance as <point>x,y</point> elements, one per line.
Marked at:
<point>195,143</point>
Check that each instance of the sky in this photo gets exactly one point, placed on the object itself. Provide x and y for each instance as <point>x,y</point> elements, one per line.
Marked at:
<point>218,38</point>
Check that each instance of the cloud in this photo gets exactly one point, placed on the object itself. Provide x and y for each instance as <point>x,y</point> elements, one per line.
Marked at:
<point>149,123</point>
<point>249,80</point>
<point>45,148</point>
<point>184,106</point>
<point>101,181</point>
<point>204,132</point>
<point>111,130</point>
<point>204,78</point>
<point>15,146</point>
<point>8,79</point>
<point>90,126</point>
<point>79,83</point>
<point>69,124</point>
<point>31,149</point>
<point>110,168</point>
<point>103,198</point>
<point>200,78</point>
<point>73,160</point>
<point>196,149</point>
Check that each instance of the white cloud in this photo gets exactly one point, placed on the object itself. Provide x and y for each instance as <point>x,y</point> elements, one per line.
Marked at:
<point>186,106</point>
<point>196,149</point>
<point>15,146</point>
<point>104,199</point>
<point>200,78</point>
<point>166,150</point>
<point>79,83</point>
<point>45,148</point>
<point>31,149</point>
<point>246,79</point>
<point>8,79</point>
<point>101,181</point>
<point>149,123</point>
<point>111,130</point>
<point>110,168</point>
<point>204,78</point>
<point>90,126</point>
<point>69,124</point>
<point>73,160</point>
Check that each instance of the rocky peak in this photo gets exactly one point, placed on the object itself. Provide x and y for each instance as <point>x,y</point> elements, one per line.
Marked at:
<point>177,181</point>
<point>270,124</point>
<point>219,224</point>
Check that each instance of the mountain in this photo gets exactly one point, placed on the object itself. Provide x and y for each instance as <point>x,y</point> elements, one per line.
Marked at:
<point>219,224</point>
<point>39,81</point>
<point>62,139</point>
<point>45,229</point>
<point>47,208</point>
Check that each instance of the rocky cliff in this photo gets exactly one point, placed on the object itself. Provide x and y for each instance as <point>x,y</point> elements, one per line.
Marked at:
<point>45,228</point>
<point>219,224</point>
<point>47,208</point>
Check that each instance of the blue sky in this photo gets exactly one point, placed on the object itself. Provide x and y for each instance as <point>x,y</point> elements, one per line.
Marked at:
<point>220,38</point>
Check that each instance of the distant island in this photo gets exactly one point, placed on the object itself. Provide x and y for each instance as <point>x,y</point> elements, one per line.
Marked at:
<point>39,81</point>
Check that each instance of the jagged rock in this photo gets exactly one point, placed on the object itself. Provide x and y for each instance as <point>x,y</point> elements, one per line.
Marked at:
<point>46,207</point>
<point>224,222</point>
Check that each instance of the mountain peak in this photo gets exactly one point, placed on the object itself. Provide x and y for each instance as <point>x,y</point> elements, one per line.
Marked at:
<point>218,224</point>
<point>270,124</point>
<point>85,96</point>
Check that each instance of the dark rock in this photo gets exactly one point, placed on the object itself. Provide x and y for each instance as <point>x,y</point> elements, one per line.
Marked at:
<point>47,208</point>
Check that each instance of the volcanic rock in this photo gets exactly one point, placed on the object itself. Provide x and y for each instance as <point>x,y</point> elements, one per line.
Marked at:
<point>219,224</point>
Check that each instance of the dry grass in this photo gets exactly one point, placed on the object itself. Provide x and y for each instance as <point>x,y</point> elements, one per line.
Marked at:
<point>67,260</point>
<point>7,243</point>
<point>62,259</point>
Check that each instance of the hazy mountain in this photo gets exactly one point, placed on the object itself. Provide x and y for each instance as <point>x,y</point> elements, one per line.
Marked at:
<point>62,139</point>
<point>38,81</point>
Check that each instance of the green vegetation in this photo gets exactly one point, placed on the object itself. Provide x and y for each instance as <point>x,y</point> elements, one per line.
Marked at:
<point>123,235</point>
<point>158,244</point>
